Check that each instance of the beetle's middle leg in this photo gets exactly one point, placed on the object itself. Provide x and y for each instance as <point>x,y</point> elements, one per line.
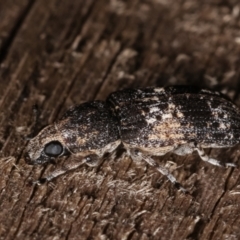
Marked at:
<point>136,155</point>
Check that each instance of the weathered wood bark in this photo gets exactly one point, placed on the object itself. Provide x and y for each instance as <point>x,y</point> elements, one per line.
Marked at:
<point>59,53</point>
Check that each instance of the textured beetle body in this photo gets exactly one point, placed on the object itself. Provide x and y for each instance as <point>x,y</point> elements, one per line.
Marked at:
<point>158,120</point>
<point>151,121</point>
<point>89,127</point>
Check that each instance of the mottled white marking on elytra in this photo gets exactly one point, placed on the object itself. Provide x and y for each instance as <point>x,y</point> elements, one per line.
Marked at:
<point>171,106</point>
<point>159,90</point>
<point>154,109</point>
<point>180,114</point>
<point>167,115</point>
<point>215,114</point>
<point>210,92</point>
<point>151,120</point>
<point>222,126</point>
<point>150,99</point>
<point>143,113</point>
<point>207,135</point>
<point>209,104</point>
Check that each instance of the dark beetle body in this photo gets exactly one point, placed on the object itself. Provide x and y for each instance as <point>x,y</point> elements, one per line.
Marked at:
<point>173,116</point>
<point>93,129</point>
<point>151,121</point>
<point>87,129</point>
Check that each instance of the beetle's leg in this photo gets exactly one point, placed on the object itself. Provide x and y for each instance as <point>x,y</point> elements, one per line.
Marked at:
<point>183,150</point>
<point>137,155</point>
<point>165,172</point>
<point>92,160</point>
<point>213,161</point>
<point>65,168</point>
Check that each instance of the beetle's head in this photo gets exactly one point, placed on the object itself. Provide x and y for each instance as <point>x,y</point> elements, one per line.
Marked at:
<point>45,147</point>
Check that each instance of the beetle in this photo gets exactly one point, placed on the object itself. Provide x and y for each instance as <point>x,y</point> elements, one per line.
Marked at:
<point>146,122</point>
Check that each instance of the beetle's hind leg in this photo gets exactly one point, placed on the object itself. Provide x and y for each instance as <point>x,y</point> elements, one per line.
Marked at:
<point>188,149</point>
<point>136,155</point>
<point>213,161</point>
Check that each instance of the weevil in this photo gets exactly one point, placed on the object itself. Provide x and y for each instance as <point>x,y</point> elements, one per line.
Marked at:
<point>146,122</point>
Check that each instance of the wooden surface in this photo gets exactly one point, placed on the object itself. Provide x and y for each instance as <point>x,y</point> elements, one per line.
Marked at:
<point>59,53</point>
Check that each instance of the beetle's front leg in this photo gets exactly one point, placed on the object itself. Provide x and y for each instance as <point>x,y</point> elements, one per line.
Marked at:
<point>91,160</point>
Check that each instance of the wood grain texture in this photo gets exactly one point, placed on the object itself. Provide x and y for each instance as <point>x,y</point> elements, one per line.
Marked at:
<point>59,53</point>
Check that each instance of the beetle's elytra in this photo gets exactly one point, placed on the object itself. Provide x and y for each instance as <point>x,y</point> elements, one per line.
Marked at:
<point>147,122</point>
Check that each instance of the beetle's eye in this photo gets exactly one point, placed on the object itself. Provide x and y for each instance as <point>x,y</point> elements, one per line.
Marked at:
<point>53,149</point>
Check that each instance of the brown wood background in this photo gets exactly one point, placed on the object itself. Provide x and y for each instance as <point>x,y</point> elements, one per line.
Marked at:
<point>59,53</point>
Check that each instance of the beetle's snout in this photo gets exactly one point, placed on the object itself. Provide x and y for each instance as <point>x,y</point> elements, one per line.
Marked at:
<point>28,159</point>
